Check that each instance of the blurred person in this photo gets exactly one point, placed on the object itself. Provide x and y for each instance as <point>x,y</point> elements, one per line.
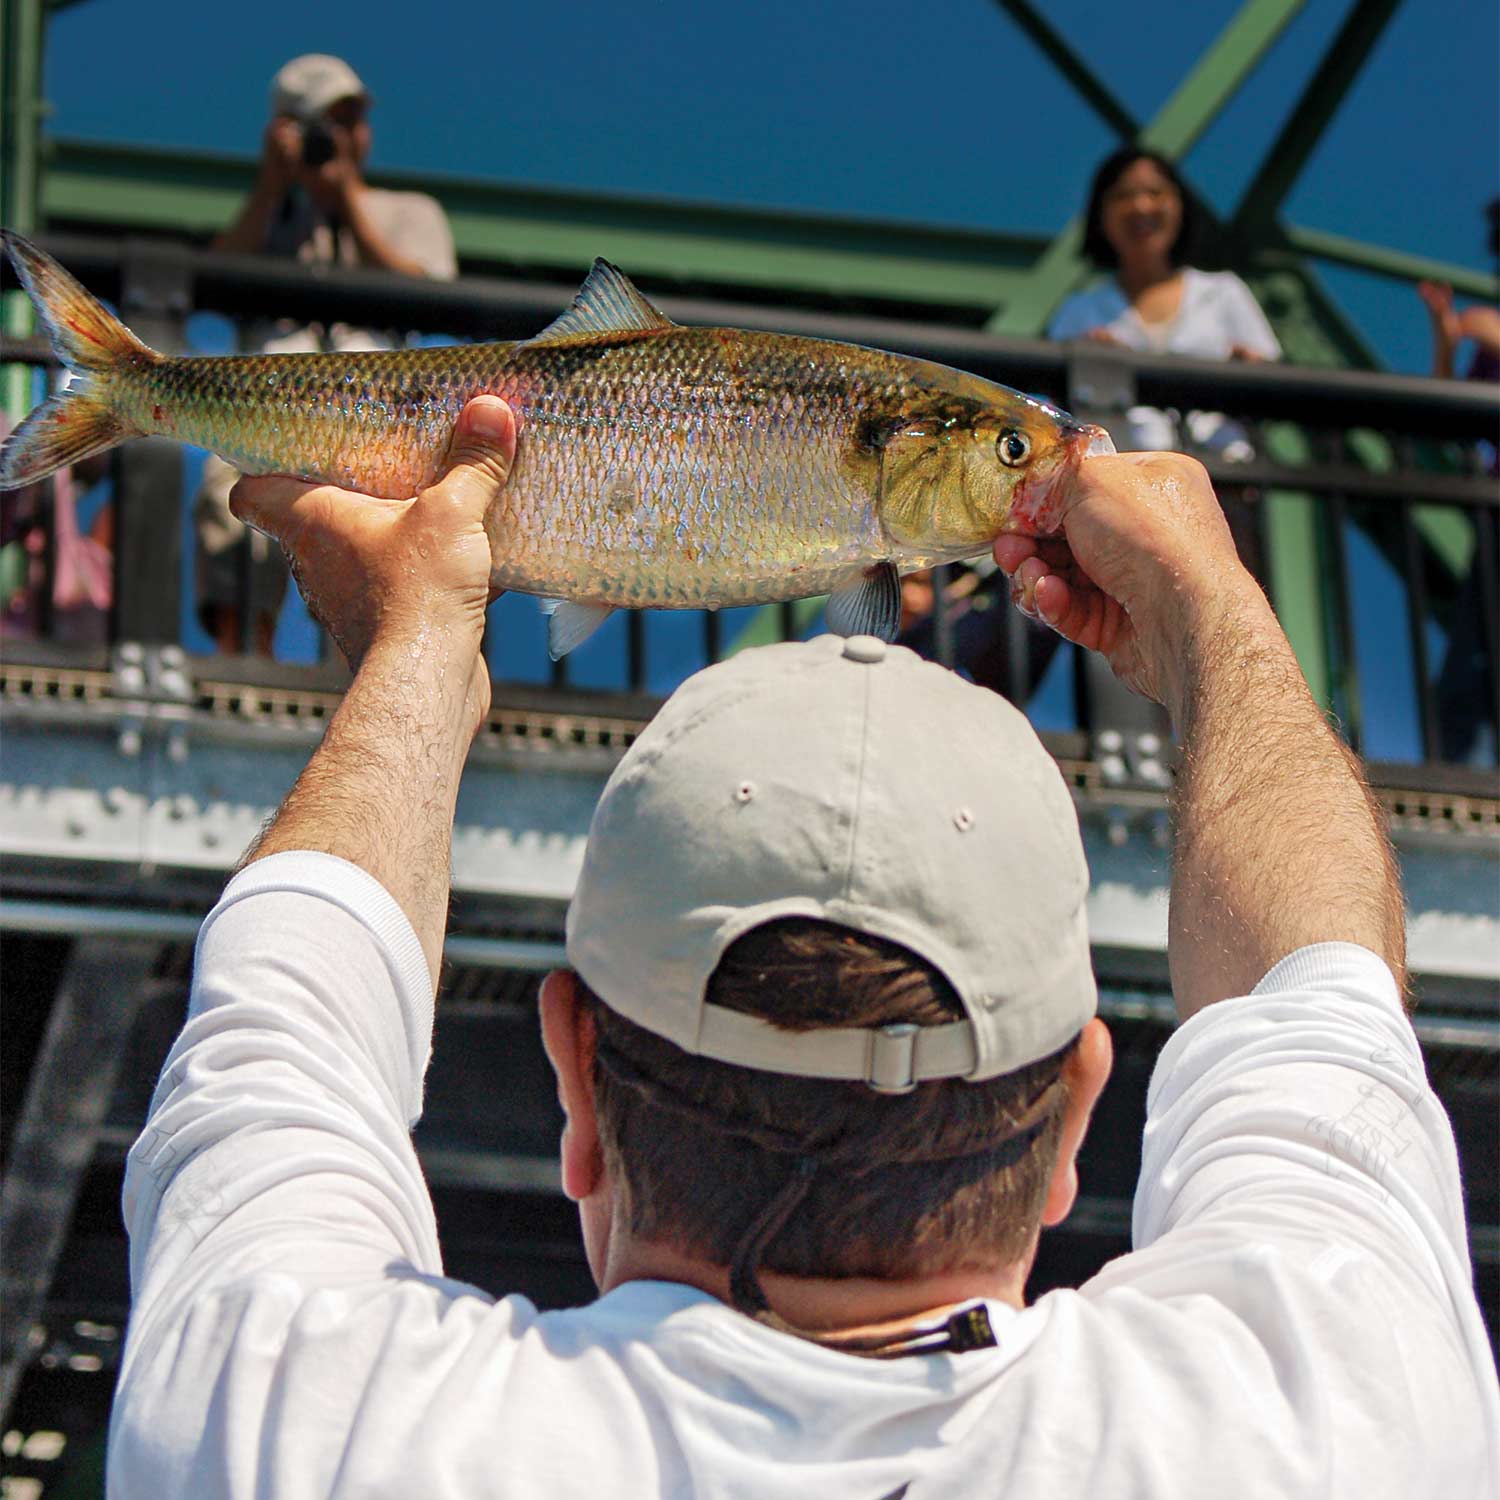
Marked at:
<point>826,1053</point>
<point>310,203</point>
<point>1140,226</point>
<point>1466,681</point>
<point>979,620</point>
<point>1452,328</point>
<point>1478,323</point>
<point>56,578</point>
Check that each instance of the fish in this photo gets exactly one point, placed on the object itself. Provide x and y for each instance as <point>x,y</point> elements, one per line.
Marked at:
<point>657,465</point>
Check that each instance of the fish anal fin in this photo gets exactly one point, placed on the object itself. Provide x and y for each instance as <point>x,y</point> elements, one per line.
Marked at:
<point>607,302</point>
<point>570,623</point>
<point>871,605</point>
<point>62,431</point>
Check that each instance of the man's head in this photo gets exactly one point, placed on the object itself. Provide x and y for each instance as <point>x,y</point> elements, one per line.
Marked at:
<point>832,963</point>
<point>322,93</point>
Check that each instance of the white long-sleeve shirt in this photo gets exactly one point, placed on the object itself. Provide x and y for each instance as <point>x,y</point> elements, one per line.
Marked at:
<point>1297,1317</point>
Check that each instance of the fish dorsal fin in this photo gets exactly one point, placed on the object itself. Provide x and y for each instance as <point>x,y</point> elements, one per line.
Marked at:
<point>607,302</point>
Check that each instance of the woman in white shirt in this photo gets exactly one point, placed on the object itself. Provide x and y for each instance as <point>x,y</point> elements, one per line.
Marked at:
<point>1139,226</point>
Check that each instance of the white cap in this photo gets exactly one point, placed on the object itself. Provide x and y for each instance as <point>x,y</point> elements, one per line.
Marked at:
<point>854,782</point>
<point>307,85</point>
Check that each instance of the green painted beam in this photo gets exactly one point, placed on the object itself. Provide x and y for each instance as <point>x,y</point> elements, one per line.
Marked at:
<point>1086,85</point>
<point>1310,325</point>
<point>1061,269</point>
<point>1397,264</point>
<point>1218,74</point>
<point>1293,561</point>
<point>21,29</point>
<point>153,190</point>
<point>1315,108</point>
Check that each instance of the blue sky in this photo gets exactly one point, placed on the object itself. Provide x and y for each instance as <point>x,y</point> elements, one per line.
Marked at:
<point>942,113</point>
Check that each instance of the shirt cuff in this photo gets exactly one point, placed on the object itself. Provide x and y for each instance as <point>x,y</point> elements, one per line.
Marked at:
<point>1332,966</point>
<point>1343,970</point>
<point>326,877</point>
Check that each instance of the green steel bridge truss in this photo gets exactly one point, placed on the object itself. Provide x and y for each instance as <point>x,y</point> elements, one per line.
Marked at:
<point>1009,284</point>
<point>1012,282</point>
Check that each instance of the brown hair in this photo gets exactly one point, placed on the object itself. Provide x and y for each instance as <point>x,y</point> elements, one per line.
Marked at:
<point>701,1183</point>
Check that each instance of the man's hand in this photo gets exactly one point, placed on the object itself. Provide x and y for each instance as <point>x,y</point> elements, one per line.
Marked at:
<point>402,586</point>
<point>280,153</point>
<point>280,162</point>
<point>1438,299</point>
<point>1278,842</point>
<point>1145,559</point>
<point>334,183</point>
<point>370,567</point>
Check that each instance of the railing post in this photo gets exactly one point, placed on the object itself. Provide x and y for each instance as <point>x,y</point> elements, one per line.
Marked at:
<point>155,299</point>
<point>1127,733</point>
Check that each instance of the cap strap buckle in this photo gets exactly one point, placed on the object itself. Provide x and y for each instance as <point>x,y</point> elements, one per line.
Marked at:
<point>891,1063</point>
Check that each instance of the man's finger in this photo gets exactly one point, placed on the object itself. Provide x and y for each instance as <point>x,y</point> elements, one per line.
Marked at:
<point>480,455</point>
<point>266,501</point>
<point>1012,550</point>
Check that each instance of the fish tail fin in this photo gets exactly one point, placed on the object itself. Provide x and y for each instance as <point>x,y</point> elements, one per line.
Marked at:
<point>86,335</point>
<point>87,338</point>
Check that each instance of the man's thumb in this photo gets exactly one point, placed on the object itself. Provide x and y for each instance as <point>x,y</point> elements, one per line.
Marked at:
<point>482,450</point>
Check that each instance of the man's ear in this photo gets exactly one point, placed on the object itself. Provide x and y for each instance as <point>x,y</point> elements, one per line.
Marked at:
<point>1085,1073</point>
<point>568,1034</point>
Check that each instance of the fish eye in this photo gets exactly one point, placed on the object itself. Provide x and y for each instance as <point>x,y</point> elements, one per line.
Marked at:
<point>1012,448</point>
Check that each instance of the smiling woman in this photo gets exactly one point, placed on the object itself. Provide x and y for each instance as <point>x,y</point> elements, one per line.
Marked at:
<point>1140,224</point>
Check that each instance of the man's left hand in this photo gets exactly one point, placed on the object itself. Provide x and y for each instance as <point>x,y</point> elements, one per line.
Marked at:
<point>332,183</point>
<point>374,569</point>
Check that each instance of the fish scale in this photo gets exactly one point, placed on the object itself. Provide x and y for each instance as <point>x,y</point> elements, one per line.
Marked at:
<point>655,465</point>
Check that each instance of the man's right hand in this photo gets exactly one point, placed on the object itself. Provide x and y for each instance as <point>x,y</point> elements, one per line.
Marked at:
<point>1278,843</point>
<point>281,153</point>
<point>1144,567</point>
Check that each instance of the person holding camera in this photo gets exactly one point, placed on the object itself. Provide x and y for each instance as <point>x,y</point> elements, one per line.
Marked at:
<point>310,203</point>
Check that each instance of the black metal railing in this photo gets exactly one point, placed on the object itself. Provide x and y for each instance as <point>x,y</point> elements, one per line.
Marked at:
<point>1367,504</point>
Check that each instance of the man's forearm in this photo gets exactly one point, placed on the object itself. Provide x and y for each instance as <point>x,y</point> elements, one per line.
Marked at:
<point>381,789</point>
<point>374,245</point>
<point>1278,841</point>
<point>247,235</point>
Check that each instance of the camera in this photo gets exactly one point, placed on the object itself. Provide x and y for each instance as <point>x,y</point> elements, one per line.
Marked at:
<point>318,145</point>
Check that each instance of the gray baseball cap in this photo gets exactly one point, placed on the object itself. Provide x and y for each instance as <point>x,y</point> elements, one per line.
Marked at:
<point>851,781</point>
<point>309,84</point>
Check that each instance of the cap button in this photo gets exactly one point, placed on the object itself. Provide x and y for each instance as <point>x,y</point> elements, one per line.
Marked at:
<point>866,648</point>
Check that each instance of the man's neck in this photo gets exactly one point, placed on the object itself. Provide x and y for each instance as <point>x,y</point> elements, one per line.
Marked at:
<point>844,1305</point>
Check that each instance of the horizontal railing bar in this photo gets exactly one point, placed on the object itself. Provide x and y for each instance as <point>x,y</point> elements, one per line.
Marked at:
<point>1407,780</point>
<point>28,349</point>
<point>1400,487</point>
<point>65,919</point>
<point>512,308</point>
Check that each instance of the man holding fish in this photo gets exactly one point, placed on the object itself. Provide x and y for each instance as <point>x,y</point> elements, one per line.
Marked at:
<point>827,1050</point>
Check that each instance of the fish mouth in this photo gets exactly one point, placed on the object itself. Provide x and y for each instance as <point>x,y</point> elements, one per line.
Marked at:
<point>1086,440</point>
<point>1036,509</point>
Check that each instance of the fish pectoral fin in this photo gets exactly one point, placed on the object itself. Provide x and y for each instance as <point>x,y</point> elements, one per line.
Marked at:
<point>607,302</point>
<point>869,606</point>
<point>570,624</point>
